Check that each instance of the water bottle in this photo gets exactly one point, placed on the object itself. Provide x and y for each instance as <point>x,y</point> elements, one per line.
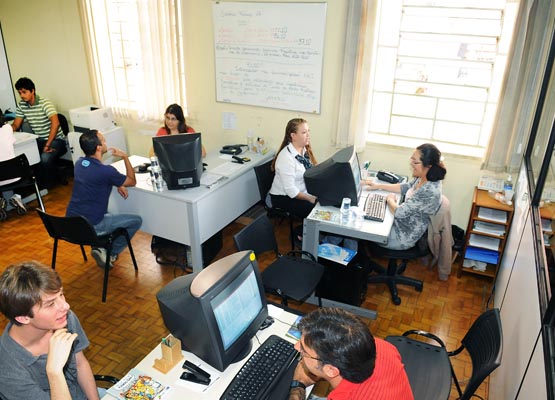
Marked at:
<point>156,174</point>
<point>250,140</point>
<point>508,188</point>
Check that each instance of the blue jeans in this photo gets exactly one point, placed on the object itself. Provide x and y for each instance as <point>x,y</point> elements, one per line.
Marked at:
<point>111,222</point>
<point>46,172</point>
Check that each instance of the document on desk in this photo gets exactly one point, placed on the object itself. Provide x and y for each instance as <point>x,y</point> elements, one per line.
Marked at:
<point>226,168</point>
<point>209,179</point>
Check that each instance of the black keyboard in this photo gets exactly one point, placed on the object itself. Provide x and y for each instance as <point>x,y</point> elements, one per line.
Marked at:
<point>262,371</point>
<point>375,206</point>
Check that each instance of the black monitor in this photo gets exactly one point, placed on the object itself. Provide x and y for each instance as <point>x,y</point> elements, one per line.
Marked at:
<point>217,311</point>
<point>336,178</point>
<point>180,158</point>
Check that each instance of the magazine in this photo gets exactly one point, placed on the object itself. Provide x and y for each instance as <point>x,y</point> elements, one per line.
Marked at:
<point>294,332</point>
<point>324,215</point>
<point>335,253</point>
<point>136,385</point>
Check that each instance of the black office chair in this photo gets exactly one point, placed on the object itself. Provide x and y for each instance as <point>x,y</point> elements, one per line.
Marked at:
<point>392,274</point>
<point>429,368</point>
<point>78,230</point>
<point>289,276</point>
<point>19,167</point>
<point>64,167</point>
<point>264,178</point>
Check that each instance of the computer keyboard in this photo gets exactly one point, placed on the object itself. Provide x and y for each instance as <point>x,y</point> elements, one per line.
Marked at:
<point>375,206</point>
<point>263,369</point>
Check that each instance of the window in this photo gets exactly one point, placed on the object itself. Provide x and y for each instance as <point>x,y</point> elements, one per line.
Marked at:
<point>136,55</point>
<point>438,72</point>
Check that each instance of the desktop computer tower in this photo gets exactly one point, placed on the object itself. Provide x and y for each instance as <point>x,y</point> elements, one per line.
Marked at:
<point>344,283</point>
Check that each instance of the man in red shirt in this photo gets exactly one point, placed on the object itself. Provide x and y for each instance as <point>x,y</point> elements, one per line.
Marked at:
<point>338,347</point>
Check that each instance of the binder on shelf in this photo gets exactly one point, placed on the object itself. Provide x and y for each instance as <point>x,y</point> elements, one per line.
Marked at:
<point>492,229</point>
<point>485,255</point>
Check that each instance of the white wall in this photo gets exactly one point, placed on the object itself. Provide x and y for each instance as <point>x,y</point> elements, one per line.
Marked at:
<point>44,41</point>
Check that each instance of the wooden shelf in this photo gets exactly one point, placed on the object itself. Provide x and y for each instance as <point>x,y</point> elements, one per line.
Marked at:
<point>481,199</point>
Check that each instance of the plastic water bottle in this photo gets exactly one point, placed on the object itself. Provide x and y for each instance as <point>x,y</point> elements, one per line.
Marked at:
<point>156,174</point>
<point>508,188</point>
<point>250,139</point>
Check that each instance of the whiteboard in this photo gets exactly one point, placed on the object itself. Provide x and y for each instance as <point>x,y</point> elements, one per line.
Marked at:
<point>7,99</point>
<point>269,54</point>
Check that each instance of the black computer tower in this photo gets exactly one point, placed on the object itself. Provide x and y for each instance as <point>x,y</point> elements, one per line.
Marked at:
<point>344,283</point>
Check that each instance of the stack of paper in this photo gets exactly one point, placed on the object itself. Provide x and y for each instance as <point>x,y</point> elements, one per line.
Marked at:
<point>486,227</point>
<point>546,225</point>
<point>485,242</point>
<point>492,214</point>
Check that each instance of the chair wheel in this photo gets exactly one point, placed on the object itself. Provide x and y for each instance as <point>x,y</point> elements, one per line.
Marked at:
<point>396,300</point>
<point>419,288</point>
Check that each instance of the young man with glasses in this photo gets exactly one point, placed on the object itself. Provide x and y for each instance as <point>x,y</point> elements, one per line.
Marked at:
<point>338,347</point>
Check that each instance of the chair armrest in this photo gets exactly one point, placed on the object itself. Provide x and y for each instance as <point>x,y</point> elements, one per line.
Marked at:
<point>425,334</point>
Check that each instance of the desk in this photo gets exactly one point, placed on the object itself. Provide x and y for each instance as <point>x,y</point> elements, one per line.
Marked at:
<point>283,320</point>
<point>27,143</point>
<point>191,216</point>
<point>357,228</point>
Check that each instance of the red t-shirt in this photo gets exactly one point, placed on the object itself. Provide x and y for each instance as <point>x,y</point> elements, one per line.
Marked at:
<point>163,132</point>
<point>389,380</point>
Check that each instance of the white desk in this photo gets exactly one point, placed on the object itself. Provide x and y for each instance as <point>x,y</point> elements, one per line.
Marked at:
<point>357,228</point>
<point>27,143</point>
<point>182,390</point>
<point>191,216</point>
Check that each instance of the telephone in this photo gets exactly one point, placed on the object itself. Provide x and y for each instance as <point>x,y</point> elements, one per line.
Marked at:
<point>387,176</point>
<point>233,149</point>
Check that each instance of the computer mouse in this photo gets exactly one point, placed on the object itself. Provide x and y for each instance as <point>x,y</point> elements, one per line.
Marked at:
<point>143,167</point>
<point>267,323</point>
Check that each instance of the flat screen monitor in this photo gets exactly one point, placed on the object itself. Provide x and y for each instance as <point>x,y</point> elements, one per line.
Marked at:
<point>216,312</point>
<point>336,178</point>
<point>180,158</point>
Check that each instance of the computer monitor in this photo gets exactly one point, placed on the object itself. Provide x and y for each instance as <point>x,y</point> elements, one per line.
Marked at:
<point>336,178</point>
<point>217,311</point>
<point>180,158</point>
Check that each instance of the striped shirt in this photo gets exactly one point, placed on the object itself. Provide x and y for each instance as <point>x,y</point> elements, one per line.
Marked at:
<point>38,116</point>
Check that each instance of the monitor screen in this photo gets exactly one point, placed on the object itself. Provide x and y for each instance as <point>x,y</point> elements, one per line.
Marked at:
<point>336,178</point>
<point>180,158</point>
<point>216,312</point>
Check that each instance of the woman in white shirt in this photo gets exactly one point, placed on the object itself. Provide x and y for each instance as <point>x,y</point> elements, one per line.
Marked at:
<point>294,157</point>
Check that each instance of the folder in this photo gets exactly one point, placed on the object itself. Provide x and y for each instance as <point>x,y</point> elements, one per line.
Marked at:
<point>485,255</point>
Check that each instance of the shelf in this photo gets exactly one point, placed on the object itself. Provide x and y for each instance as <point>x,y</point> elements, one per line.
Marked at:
<point>490,271</point>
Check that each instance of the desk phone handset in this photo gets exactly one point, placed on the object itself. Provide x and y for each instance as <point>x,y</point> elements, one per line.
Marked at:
<point>387,176</point>
<point>233,149</point>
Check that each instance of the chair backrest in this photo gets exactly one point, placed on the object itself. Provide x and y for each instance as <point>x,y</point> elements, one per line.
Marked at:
<point>264,178</point>
<point>63,124</point>
<point>17,167</point>
<point>257,236</point>
<point>484,343</point>
<point>77,230</point>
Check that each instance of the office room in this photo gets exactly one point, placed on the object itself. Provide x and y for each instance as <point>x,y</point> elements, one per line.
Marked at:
<point>47,42</point>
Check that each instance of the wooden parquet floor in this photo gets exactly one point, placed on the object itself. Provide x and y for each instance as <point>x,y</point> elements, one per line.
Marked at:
<point>125,328</point>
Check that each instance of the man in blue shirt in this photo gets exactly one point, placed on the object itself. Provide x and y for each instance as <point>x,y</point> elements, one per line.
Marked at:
<point>92,185</point>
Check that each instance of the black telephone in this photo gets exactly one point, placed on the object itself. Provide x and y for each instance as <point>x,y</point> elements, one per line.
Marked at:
<point>387,176</point>
<point>233,149</point>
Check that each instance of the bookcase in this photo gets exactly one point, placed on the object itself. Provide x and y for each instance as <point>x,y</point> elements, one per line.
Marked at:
<point>486,235</point>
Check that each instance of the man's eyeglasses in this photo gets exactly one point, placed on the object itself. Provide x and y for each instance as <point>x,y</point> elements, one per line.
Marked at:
<point>305,354</point>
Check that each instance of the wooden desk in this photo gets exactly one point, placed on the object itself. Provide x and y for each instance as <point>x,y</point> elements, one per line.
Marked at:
<point>184,390</point>
<point>357,228</point>
<point>191,216</point>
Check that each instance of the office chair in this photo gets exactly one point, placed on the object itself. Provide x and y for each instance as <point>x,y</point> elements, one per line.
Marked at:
<point>289,276</point>
<point>429,368</point>
<point>392,274</point>
<point>264,178</point>
<point>64,167</point>
<point>18,167</point>
<point>78,230</point>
